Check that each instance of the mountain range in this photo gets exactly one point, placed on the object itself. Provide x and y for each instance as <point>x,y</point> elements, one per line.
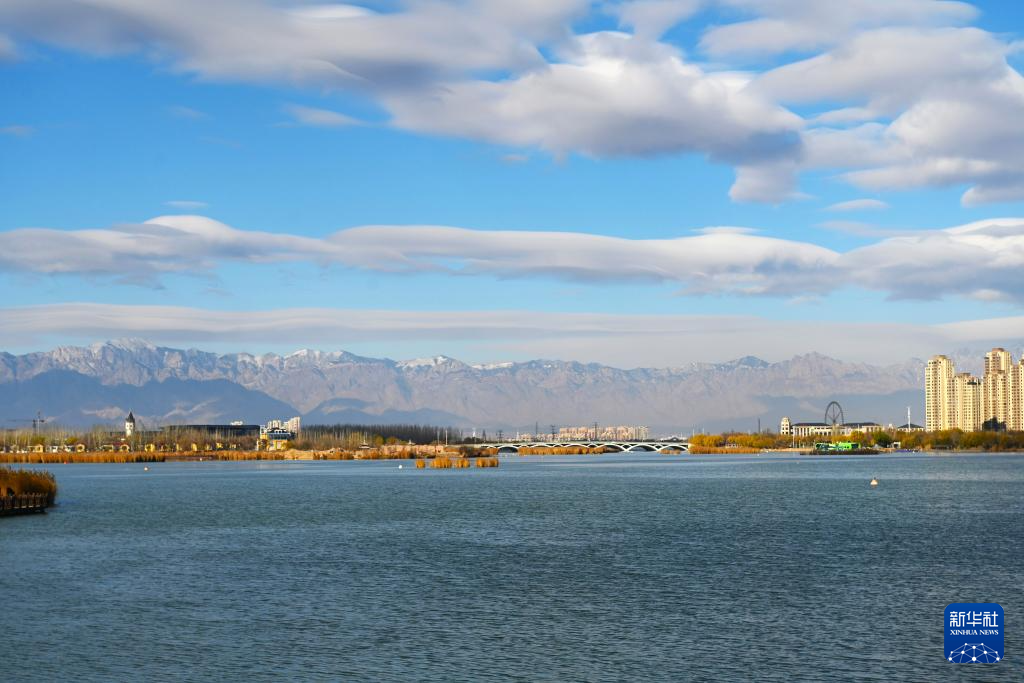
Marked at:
<point>81,386</point>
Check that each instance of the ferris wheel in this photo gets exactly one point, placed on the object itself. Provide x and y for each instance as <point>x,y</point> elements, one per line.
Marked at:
<point>834,416</point>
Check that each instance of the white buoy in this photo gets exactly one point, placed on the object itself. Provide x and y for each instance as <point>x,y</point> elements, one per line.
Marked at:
<point>874,482</point>
<point>401,466</point>
<point>145,469</point>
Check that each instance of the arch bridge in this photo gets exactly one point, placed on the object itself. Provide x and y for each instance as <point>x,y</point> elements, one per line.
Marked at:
<point>510,447</point>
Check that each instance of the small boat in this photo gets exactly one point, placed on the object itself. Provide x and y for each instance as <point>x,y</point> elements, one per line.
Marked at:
<point>874,482</point>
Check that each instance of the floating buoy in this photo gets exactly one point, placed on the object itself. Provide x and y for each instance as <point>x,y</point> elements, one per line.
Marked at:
<point>145,469</point>
<point>401,466</point>
<point>874,482</point>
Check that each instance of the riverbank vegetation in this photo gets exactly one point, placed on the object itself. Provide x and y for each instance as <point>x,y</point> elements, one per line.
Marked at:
<point>16,481</point>
<point>952,439</point>
<point>52,439</point>
<point>386,452</point>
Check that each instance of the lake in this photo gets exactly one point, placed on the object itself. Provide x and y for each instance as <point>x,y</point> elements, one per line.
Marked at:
<point>549,568</point>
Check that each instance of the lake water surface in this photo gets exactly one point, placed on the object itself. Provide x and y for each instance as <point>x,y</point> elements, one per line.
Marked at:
<point>570,568</point>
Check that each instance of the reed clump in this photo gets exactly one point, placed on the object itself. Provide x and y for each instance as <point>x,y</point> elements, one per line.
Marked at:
<point>441,462</point>
<point>486,462</point>
<point>721,450</point>
<point>557,450</point>
<point>14,482</point>
<point>460,463</point>
<point>421,463</point>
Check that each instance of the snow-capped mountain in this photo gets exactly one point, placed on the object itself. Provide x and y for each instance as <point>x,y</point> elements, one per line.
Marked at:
<point>339,386</point>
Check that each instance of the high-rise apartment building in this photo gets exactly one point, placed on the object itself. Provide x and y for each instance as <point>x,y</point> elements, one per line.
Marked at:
<point>961,401</point>
<point>967,394</point>
<point>938,394</point>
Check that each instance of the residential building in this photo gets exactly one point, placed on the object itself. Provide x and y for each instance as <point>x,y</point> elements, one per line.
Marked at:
<point>961,401</point>
<point>938,393</point>
<point>293,425</point>
<point>610,433</point>
<point>967,402</point>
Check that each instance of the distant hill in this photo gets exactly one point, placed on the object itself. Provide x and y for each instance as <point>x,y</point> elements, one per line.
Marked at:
<point>76,400</point>
<point>101,382</point>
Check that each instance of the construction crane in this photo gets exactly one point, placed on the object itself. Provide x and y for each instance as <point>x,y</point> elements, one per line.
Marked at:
<point>36,421</point>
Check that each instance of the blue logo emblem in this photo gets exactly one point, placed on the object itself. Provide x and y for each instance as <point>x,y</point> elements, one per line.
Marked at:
<point>974,633</point>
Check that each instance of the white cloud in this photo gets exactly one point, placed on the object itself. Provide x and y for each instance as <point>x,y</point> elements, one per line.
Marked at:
<point>8,51</point>
<point>616,96</point>
<point>891,68</point>
<point>18,131</point>
<point>858,205</point>
<point>947,105</point>
<point>183,112</point>
<point>324,118</point>
<point>983,260</point>
<point>606,94</point>
<point>797,25</point>
<point>618,340</point>
<point>651,18</point>
<point>186,204</point>
<point>911,96</point>
<point>324,45</point>
<point>714,262</point>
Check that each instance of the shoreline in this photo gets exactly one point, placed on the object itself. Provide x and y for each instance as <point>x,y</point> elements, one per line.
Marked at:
<point>282,456</point>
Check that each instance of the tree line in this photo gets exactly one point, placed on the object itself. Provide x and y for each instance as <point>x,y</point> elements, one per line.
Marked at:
<point>312,437</point>
<point>951,439</point>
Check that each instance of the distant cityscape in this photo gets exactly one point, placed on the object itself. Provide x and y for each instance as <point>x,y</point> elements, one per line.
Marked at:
<point>959,400</point>
<point>592,432</point>
<point>274,435</point>
<point>826,429</point>
<point>953,401</point>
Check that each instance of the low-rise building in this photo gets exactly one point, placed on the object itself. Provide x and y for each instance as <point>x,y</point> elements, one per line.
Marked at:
<point>803,429</point>
<point>806,429</point>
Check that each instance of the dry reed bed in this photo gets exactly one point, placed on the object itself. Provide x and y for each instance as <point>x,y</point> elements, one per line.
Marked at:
<point>450,461</point>
<point>556,450</point>
<point>18,481</point>
<point>64,458</point>
<point>442,462</point>
<point>721,450</point>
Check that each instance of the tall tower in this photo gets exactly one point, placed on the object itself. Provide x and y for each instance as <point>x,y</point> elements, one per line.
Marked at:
<point>785,427</point>
<point>939,393</point>
<point>129,425</point>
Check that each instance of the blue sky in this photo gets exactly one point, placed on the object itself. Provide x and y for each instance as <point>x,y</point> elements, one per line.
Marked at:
<point>503,117</point>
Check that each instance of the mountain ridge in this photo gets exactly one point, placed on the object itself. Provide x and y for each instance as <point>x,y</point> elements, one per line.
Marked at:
<point>317,384</point>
